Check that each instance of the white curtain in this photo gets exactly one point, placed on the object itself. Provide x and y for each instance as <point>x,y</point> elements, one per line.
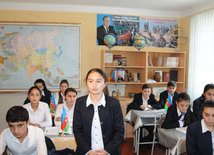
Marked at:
<point>201,53</point>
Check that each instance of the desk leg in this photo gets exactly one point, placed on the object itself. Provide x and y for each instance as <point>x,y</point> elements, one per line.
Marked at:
<point>138,140</point>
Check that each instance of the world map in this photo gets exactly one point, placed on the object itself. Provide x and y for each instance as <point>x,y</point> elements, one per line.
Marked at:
<point>29,52</point>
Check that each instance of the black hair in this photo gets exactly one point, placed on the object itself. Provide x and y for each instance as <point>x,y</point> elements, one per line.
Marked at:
<point>207,104</point>
<point>64,81</point>
<point>145,86</point>
<point>34,87</point>
<point>208,86</point>
<point>98,71</point>
<point>105,17</point>
<point>70,90</point>
<point>42,82</point>
<point>183,97</point>
<point>17,114</point>
<point>171,83</point>
<point>60,101</point>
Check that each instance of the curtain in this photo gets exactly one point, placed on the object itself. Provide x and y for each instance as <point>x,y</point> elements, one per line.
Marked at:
<point>201,53</point>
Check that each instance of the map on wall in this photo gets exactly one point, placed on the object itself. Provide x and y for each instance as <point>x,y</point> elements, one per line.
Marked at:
<point>31,51</point>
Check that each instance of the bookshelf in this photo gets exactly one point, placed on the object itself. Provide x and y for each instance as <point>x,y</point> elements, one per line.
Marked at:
<point>145,63</point>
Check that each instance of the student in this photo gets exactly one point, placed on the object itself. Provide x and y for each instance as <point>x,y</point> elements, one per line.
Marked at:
<point>60,96</point>
<point>145,100</point>
<point>39,112</point>
<point>98,121</point>
<point>46,94</point>
<point>171,90</point>
<point>207,95</point>
<point>20,138</point>
<point>200,134</point>
<point>70,99</point>
<point>179,114</point>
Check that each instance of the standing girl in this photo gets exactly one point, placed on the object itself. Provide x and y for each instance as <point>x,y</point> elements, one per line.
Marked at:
<point>98,122</point>
<point>60,96</point>
<point>39,112</point>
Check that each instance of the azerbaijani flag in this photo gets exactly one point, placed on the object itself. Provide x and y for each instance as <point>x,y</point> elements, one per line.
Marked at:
<point>64,121</point>
<point>52,104</point>
<point>168,102</point>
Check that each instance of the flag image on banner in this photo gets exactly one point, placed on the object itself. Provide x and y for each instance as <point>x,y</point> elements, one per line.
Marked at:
<point>52,104</point>
<point>64,121</point>
<point>168,102</point>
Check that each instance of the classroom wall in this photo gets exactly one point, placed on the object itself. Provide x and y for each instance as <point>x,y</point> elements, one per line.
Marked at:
<point>90,52</point>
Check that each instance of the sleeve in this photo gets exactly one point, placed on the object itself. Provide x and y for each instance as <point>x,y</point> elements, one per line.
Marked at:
<point>100,35</point>
<point>41,147</point>
<point>2,142</point>
<point>58,114</point>
<point>161,101</point>
<point>169,122</point>
<point>196,110</point>
<point>56,97</point>
<point>78,129</point>
<point>191,141</point>
<point>48,119</point>
<point>136,104</point>
<point>118,130</point>
<point>153,102</point>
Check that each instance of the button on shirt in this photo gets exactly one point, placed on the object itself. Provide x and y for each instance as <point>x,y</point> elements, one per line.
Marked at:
<point>33,144</point>
<point>41,116</point>
<point>205,129</point>
<point>181,124</point>
<point>145,102</point>
<point>96,132</point>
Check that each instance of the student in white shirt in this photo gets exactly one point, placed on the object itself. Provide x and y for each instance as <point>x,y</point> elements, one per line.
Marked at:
<point>70,99</point>
<point>39,112</point>
<point>60,96</point>
<point>19,138</point>
<point>200,134</point>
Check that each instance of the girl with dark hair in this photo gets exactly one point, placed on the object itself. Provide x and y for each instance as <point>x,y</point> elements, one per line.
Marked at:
<point>39,112</point>
<point>69,104</point>
<point>46,94</point>
<point>98,122</point>
<point>60,96</point>
<point>207,95</point>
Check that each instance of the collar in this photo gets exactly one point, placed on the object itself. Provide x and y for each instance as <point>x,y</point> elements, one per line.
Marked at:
<point>145,99</point>
<point>170,94</point>
<point>179,112</point>
<point>204,127</point>
<point>43,93</point>
<point>66,107</point>
<point>32,108</point>
<point>102,101</point>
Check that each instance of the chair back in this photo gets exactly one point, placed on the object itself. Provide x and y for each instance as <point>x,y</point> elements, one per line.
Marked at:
<point>181,150</point>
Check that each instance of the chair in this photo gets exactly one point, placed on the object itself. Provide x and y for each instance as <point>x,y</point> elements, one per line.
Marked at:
<point>128,107</point>
<point>181,149</point>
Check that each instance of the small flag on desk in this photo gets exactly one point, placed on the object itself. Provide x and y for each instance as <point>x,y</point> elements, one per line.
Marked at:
<point>168,102</point>
<point>64,121</point>
<point>52,104</point>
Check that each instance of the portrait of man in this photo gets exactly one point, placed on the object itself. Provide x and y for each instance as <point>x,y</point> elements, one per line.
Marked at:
<point>104,29</point>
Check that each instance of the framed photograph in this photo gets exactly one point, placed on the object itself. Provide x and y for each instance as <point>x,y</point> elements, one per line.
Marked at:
<point>157,90</point>
<point>29,51</point>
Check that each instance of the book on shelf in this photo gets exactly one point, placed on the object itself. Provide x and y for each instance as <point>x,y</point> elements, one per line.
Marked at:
<point>136,77</point>
<point>117,60</point>
<point>121,73</point>
<point>150,61</point>
<point>165,77</point>
<point>171,62</point>
<point>173,75</point>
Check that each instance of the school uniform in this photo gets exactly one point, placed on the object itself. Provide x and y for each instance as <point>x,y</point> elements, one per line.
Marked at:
<point>199,139</point>
<point>164,96</point>
<point>106,117</point>
<point>33,144</point>
<point>174,118</point>
<point>56,97</point>
<point>197,104</point>
<point>138,101</point>
<point>41,116</point>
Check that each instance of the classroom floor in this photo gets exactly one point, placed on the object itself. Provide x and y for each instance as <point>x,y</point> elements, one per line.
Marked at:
<point>127,148</point>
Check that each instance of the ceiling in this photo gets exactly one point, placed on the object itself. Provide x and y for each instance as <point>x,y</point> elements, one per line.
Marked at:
<point>152,5</point>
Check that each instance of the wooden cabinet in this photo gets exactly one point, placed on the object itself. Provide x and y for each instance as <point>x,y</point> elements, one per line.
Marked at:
<point>137,62</point>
